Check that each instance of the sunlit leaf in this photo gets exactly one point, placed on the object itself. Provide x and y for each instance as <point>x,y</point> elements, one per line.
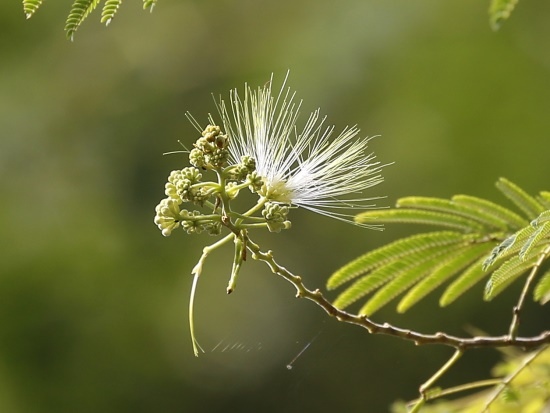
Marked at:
<point>528,204</point>
<point>30,7</point>
<point>79,11</point>
<point>442,273</point>
<point>109,10</point>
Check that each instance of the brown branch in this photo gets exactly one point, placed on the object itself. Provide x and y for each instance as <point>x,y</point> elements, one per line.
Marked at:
<point>441,338</point>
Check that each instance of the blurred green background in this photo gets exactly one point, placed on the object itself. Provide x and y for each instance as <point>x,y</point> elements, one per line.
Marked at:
<point>93,300</point>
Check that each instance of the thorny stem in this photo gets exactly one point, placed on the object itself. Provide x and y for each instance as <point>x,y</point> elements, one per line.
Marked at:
<point>514,326</point>
<point>376,328</point>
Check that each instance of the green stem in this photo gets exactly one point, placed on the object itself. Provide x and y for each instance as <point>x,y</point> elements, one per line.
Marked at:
<point>514,325</point>
<point>424,396</point>
<point>197,270</point>
<point>458,389</point>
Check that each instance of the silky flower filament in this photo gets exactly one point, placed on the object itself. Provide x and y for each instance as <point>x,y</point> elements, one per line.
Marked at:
<point>258,146</point>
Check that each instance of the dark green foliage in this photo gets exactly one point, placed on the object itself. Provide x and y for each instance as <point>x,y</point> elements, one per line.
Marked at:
<point>485,239</point>
<point>81,9</point>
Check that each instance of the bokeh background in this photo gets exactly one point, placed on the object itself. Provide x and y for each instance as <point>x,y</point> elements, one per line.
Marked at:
<point>93,300</point>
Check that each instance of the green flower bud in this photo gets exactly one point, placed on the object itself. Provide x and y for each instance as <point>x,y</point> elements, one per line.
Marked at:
<point>191,226</point>
<point>196,158</point>
<point>275,216</point>
<point>255,182</point>
<point>167,216</point>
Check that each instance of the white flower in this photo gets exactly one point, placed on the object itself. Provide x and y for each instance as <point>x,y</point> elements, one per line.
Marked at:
<point>301,168</point>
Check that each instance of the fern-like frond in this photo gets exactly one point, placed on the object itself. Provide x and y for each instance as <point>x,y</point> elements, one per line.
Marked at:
<point>30,7</point>
<point>509,246</point>
<point>500,10</point>
<point>149,4</point>
<point>508,273</point>
<point>414,216</point>
<point>542,290</point>
<point>389,253</point>
<point>503,218</point>
<point>435,244</point>
<point>79,11</point>
<point>534,240</point>
<point>417,269</point>
<point>528,204</point>
<point>442,273</point>
<point>470,277</point>
<point>542,218</point>
<point>485,240</point>
<point>469,210</point>
<point>109,10</point>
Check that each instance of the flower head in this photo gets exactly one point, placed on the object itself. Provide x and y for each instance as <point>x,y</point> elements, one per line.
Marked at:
<point>306,167</point>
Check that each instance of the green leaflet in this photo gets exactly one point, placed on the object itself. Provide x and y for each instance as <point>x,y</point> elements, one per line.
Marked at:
<point>79,11</point>
<point>395,269</point>
<point>389,253</point>
<point>506,274</point>
<point>30,7</point>
<point>500,10</point>
<point>149,4</point>
<point>542,290</point>
<point>544,198</point>
<point>416,270</point>
<point>413,216</point>
<point>471,275</point>
<point>543,217</point>
<point>529,205</point>
<point>109,10</point>
<point>501,216</point>
<point>509,246</point>
<point>469,208</point>
<point>534,240</point>
<point>441,273</point>
<point>418,264</point>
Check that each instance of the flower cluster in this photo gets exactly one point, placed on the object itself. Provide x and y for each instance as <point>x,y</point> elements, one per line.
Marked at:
<point>305,168</point>
<point>258,146</point>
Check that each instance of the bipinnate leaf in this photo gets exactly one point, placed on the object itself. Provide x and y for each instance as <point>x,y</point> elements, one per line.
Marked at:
<point>486,240</point>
